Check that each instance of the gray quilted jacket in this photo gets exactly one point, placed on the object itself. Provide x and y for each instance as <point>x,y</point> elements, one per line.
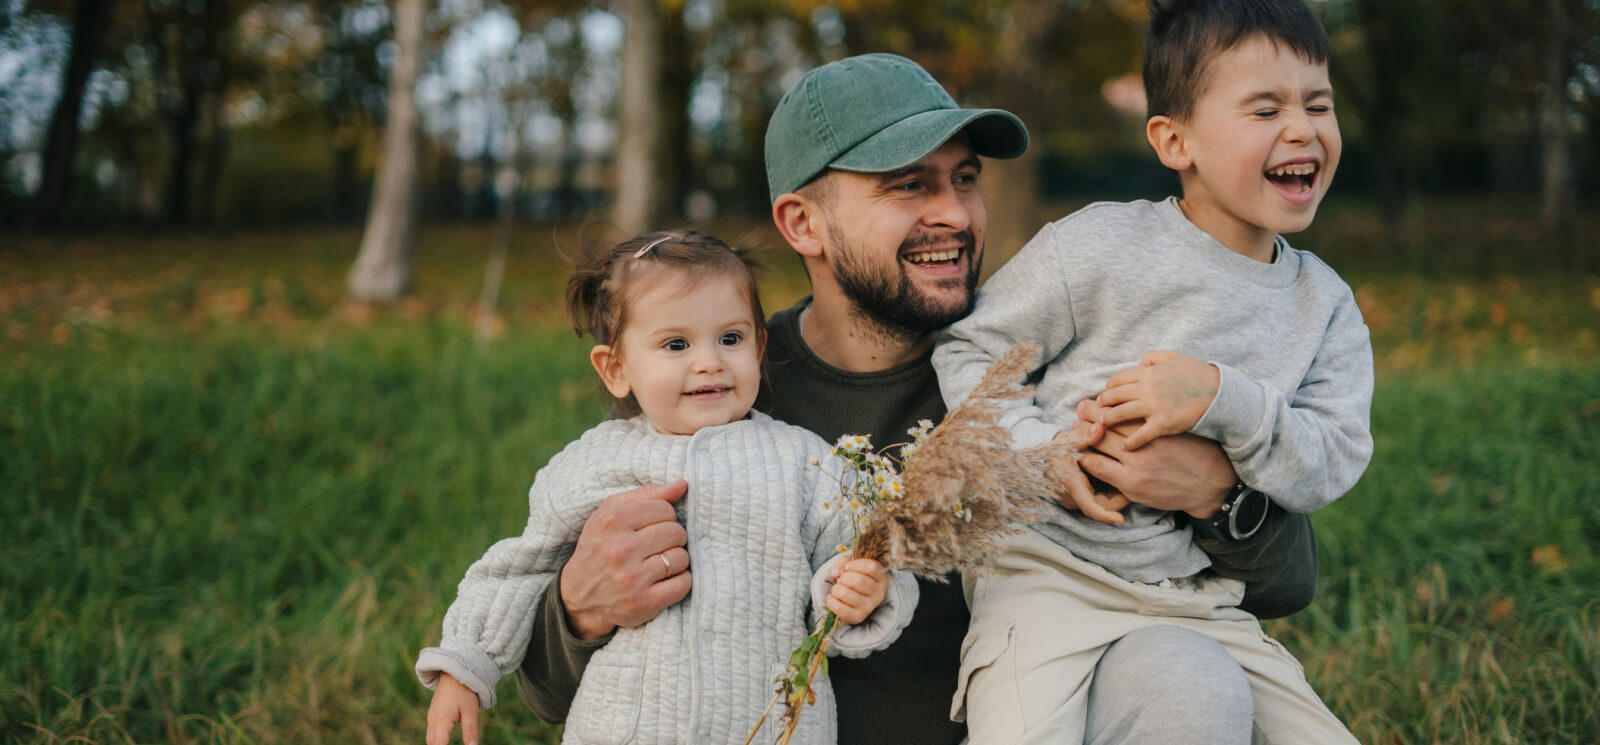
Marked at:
<point>702,670</point>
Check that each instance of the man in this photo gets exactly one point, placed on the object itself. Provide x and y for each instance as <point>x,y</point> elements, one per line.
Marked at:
<point>873,172</point>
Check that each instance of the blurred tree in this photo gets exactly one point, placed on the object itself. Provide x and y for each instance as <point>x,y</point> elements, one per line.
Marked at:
<point>351,86</point>
<point>91,21</point>
<point>1555,187</point>
<point>192,65</point>
<point>642,144</point>
<point>382,271</point>
<point>1013,186</point>
<point>1374,74</point>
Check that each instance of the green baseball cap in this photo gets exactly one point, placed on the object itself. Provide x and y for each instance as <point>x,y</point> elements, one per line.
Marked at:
<point>874,113</point>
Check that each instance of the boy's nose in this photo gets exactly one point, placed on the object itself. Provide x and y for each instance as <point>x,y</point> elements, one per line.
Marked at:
<point>1297,127</point>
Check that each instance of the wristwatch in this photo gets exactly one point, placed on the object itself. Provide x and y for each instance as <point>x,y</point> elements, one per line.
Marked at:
<point>1242,514</point>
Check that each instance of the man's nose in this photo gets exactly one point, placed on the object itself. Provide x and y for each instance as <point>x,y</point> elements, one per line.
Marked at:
<point>947,209</point>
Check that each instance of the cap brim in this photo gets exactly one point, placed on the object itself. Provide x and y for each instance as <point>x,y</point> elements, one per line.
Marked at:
<point>994,133</point>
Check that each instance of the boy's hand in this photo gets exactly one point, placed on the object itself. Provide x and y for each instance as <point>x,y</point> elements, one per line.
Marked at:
<point>1081,494</point>
<point>858,589</point>
<point>1169,391</point>
<point>452,702</point>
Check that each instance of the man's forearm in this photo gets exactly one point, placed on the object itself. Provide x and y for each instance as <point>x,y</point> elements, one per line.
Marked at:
<point>1278,564</point>
<point>548,678</point>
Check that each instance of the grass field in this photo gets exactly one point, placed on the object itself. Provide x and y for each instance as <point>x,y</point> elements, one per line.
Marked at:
<point>236,506</point>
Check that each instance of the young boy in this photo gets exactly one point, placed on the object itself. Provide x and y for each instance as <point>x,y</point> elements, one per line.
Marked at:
<point>1232,335</point>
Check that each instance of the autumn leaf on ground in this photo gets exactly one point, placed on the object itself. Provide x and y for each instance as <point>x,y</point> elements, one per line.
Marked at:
<point>1549,558</point>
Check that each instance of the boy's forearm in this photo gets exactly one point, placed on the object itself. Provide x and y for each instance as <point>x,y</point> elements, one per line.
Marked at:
<point>548,678</point>
<point>1308,447</point>
<point>1278,564</point>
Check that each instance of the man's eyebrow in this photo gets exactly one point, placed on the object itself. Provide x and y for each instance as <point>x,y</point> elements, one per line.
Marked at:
<point>919,168</point>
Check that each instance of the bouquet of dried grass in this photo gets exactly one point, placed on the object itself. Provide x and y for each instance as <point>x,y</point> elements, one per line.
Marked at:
<point>948,500</point>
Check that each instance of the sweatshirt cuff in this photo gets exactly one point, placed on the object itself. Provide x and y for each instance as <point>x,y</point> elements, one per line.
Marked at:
<point>554,611</point>
<point>1235,413</point>
<point>1029,427</point>
<point>471,668</point>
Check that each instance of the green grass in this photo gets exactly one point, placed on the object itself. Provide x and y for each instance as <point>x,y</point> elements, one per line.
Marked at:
<point>235,506</point>
<point>245,540</point>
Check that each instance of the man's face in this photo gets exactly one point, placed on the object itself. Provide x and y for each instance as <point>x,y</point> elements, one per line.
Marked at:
<point>905,246</point>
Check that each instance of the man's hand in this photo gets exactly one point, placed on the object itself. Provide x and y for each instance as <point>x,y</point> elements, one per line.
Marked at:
<point>858,589</point>
<point>1106,508</point>
<point>1179,473</point>
<point>1169,391</point>
<point>452,702</point>
<point>630,562</point>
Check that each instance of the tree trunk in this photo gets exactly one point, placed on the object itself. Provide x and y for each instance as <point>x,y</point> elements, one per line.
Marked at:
<point>639,204</point>
<point>672,149</point>
<point>184,122</point>
<point>90,24</point>
<point>1012,186</point>
<point>216,153</point>
<point>1390,49</point>
<point>1555,189</point>
<point>382,271</point>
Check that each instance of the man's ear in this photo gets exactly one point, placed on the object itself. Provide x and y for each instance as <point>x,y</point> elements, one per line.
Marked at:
<point>609,365</point>
<point>799,220</point>
<point>1166,138</point>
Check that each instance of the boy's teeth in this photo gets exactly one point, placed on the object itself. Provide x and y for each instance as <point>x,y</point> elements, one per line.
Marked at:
<point>1303,169</point>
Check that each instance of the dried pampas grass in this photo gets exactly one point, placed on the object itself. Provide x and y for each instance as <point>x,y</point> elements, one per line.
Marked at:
<point>966,489</point>
<point>960,492</point>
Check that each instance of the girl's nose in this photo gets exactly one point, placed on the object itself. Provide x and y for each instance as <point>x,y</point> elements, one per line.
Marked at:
<point>708,359</point>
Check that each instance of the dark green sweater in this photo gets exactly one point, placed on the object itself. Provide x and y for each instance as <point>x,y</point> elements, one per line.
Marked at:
<point>902,694</point>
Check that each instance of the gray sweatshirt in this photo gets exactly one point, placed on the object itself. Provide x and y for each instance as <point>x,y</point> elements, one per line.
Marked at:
<point>702,670</point>
<point>1102,286</point>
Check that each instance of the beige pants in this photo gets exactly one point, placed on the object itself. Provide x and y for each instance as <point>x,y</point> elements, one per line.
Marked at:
<point>1043,617</point>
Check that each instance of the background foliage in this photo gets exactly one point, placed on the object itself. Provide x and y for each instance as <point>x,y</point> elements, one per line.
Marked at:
<point>256,111</point>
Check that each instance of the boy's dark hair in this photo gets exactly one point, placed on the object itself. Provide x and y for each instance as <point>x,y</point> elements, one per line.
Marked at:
<point>1185,36</point>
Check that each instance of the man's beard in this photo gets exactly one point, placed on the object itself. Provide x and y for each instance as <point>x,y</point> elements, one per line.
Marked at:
<point>888,298</point>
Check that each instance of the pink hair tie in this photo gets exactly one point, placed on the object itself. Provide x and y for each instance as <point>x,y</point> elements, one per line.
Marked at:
<point>652,244</point>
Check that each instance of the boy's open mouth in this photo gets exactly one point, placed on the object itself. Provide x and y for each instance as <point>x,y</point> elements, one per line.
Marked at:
<point>1294,177</point>
<point>710,390</point>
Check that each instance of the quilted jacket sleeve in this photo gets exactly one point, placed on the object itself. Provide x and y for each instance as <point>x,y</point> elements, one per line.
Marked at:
<point>487,628</point>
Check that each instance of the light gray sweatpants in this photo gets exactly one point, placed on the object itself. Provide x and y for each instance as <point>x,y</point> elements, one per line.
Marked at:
<point>1043,620</point>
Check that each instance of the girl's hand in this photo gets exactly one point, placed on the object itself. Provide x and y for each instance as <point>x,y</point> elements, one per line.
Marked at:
<point>452,702</point>
<point>858,588</point>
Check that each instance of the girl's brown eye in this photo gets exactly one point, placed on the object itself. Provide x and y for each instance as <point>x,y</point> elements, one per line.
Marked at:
<point>731,338</point>
<point>675,345</point>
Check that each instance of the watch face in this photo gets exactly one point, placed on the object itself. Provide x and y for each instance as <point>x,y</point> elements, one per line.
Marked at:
<point>1249,513</point>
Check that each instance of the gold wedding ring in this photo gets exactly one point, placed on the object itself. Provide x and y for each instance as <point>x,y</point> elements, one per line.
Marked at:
<point>666,563</point>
